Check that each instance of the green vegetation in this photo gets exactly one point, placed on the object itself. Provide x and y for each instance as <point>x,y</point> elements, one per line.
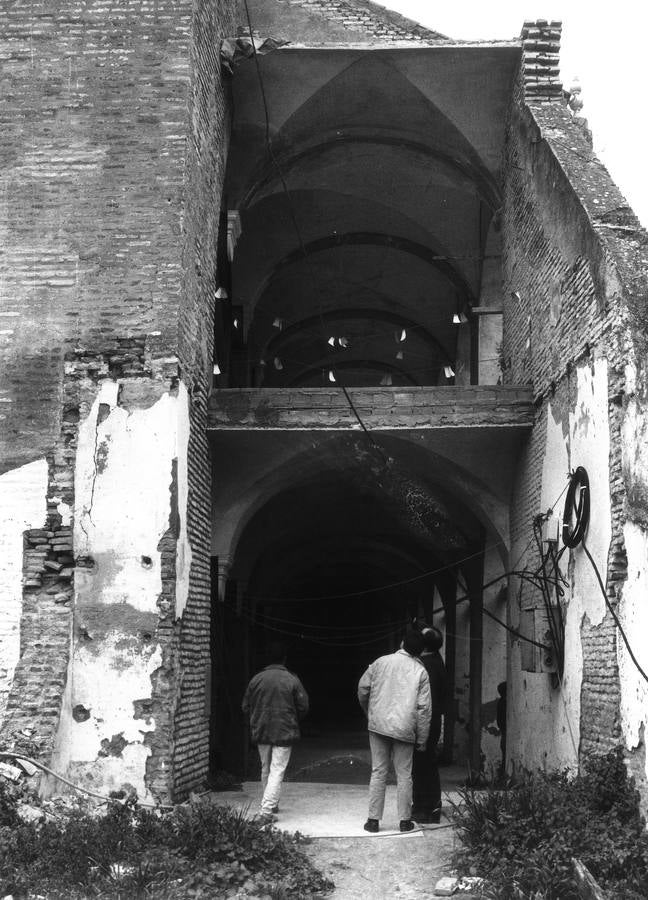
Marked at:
<point>522,839</point>
<point>198,850</point>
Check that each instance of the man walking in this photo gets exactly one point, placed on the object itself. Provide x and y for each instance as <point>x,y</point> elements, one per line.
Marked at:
<point>274,702</point>
<point>394,693</point>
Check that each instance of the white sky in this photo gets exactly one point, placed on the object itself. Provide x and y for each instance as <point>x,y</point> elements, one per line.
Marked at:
<point>604,45</point>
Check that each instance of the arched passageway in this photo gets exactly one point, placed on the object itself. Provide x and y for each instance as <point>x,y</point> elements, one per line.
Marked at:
<point>335,562</point>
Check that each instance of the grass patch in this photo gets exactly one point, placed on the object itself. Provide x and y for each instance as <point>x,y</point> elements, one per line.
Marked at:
<point>197,850</point>
<point>522,839</point>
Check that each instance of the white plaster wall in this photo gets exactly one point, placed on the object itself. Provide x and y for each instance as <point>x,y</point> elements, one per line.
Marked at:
<point>589,429</point>
<point>633,608</point>
<point>122,500</point>
<point>23,505</point>
<point>544,722</point>
<point>183,549</point>
<point>122,510</point>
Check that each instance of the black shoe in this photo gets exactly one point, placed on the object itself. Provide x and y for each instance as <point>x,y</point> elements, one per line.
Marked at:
<point>427,816</point>
<point>371,825</point>
<point>407,825</point>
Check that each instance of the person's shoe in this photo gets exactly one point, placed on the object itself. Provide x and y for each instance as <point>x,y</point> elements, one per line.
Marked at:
<point>407,825</point>
<point>266,819</point>
<point>371,825</point>
<point>427,816</point>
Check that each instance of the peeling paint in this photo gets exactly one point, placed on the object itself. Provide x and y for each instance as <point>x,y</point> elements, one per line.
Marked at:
<point>590,447</point>
<point>23,495</point>
<point>122,510</point>
<point>121,505</point>
<point>633,612</point>
<point>545,721</point>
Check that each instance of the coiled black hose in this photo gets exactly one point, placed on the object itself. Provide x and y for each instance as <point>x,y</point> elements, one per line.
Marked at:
<point>577,508</point>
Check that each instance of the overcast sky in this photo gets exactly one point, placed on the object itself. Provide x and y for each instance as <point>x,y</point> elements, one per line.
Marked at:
<point>604,45</point>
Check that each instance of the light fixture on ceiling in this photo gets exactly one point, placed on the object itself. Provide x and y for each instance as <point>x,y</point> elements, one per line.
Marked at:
<point>400,355</point>
<point>448,371</point>
<point>386,380</point>
<point>459,319</point>
<point>278,323</point>
<point>400,335</point>
<point>343,342</point>
<point>331,341</point>
<point>235,323</point>
<point>221,294</point>
<point>331,375</point>
<point>278,364</point>
<point>216,369</point>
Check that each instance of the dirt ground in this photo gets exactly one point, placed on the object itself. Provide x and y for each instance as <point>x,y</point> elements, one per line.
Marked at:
<point>406,867</point>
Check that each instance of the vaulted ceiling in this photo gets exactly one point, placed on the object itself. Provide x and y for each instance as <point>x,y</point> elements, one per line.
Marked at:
<point>366,184</point>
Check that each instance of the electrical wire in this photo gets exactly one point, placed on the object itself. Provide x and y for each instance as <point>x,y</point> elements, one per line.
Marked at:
<point>367,591</point>
<point>298,233</point>
<point>77,787</point>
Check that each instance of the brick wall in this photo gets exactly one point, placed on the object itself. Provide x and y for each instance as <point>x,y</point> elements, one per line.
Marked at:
<point>314,21</point>
<point>94,122</point>
<point>207,150</point>
<point>568,300</point>
<point>113,144</point>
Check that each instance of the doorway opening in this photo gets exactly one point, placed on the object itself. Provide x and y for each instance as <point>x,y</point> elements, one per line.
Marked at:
<point>336,565</point>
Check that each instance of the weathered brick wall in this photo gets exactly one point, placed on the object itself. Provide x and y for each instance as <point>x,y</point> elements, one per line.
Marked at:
<point>567,303</point>
<point>314,21</point>
<point>94,121</point>
<point>114,139</point>
<point>206,155</point>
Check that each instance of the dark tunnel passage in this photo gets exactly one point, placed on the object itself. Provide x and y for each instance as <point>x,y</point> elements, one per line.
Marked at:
<point>335,567</point>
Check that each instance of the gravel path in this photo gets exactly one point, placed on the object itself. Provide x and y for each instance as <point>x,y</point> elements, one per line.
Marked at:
<point>384,867</point>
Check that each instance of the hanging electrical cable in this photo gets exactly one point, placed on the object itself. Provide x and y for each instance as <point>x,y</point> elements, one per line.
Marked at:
<point>576,518</point>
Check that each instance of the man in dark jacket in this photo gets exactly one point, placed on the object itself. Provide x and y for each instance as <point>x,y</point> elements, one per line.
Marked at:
<point>274,702</point>
<point>425,771</point>
<point>394,692</point>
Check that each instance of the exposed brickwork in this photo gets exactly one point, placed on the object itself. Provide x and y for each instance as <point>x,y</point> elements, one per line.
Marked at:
<point>372,18</point>
<point>36,694</point>
<point>94,122</point>
<point>205,174</point>
<point>541,60</point>
<point>441,407</point>
<point>114,141</point>
<point>566,297</point>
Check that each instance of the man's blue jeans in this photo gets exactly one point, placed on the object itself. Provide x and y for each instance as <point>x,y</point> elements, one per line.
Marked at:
<point>384,750</point>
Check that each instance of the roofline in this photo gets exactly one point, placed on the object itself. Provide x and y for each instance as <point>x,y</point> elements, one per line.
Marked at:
<point>404,45</point>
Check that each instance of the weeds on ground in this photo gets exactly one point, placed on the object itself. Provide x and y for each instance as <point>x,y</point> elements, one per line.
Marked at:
<point>198,850</point>
<point>522,839</point>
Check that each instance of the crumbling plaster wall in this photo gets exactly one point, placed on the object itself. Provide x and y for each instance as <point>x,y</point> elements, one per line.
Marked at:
<point>115,132</point>
<point>124,470</point>
<point>23,496</point>
<point>575,262</point>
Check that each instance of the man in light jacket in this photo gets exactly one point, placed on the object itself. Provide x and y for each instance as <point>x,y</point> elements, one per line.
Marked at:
<point>394,693</point>
<point>274,702</point>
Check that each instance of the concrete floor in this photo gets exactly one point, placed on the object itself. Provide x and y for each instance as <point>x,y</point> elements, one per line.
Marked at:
<point>324,810</point>
<point>325,790</point>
